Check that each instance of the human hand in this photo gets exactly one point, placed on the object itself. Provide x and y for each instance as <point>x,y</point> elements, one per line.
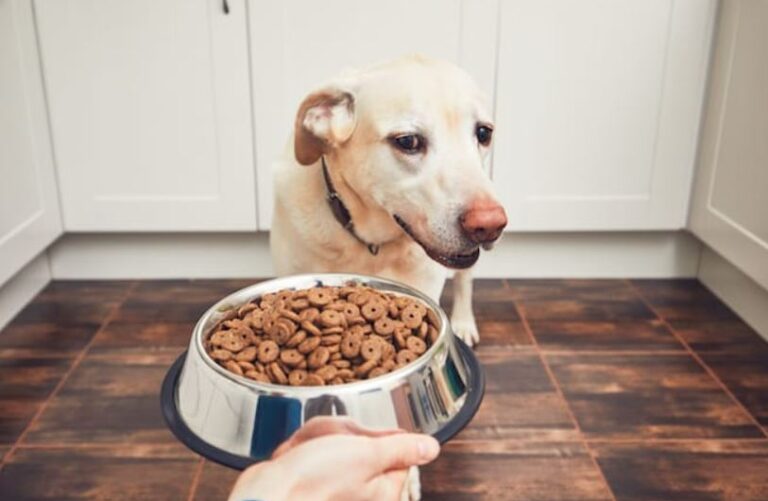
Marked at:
<point>334,458</point>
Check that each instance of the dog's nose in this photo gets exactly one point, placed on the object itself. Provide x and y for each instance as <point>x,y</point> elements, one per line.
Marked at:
<point>484,221</point>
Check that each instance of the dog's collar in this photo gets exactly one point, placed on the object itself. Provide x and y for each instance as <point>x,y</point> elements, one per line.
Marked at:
<point>340,211</point>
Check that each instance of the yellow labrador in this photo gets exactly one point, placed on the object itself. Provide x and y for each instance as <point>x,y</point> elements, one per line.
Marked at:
<point>384,176</point>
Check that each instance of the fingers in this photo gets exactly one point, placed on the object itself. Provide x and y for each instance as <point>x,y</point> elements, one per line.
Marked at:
<point>387,487</point>
<point>328,425</point>
<point>401,451</point>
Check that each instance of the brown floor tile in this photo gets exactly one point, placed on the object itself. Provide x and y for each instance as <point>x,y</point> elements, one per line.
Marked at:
<point>125,337</point>
<point>104,474</point>
<point>495,313</point>
<point>632,396</point>
<point>738,356</point>
<point>520,401</point>
<point>215,482</point>
<point>579,300</point>
<point>189,291</point>
<point>701,471</point>
<point>508,471</point>
<point>640,335</point>
<point>68,304</point>
<point>4,450</point>
<point>44,339</point>
<point>746,376</point>
<point>683,300</point>
<point>110,399</point>
<point>25,383</point>
<point>720,336</point>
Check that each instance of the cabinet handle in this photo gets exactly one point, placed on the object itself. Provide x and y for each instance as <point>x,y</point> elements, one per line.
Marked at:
<point>225,6</point>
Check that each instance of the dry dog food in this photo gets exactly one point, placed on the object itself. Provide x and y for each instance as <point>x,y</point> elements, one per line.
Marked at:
<point>322,335</point>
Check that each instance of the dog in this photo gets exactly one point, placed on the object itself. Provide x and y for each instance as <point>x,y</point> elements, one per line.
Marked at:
<point>384,175</point>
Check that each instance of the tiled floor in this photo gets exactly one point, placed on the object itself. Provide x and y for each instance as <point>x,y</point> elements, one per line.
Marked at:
<point>597,390</point>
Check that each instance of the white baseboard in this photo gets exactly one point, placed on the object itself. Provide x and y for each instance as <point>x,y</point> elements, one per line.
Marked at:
<point>542,255</point>
<point>22,287</point>
<point>745,296</point>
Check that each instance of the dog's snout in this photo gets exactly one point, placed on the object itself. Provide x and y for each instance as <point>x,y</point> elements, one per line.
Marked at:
<point>484,221</point>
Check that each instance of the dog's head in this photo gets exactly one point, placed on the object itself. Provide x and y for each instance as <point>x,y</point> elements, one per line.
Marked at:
<point>410,137</point>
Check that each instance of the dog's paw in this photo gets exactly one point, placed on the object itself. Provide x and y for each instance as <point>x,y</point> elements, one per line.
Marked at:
<point>412,491</point>
<point>466,330</point>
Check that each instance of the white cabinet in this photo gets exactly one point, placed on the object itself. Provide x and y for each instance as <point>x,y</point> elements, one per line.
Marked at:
<point>730,204</point>
<point>597,111</point>
<point>29,207</point>
<point>150,113</point>
<point>298,44</point>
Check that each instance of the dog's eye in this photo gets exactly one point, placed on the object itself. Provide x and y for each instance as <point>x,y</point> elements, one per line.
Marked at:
<point>484,134</point>
<point>409,143</point>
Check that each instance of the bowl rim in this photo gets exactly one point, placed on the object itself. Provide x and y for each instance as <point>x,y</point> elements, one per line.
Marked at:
<point>235,300</point>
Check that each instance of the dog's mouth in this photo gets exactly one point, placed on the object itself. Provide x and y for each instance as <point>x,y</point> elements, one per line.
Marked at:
<point>456,261</point>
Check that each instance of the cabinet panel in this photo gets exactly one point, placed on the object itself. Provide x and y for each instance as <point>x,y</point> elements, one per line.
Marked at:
<point>598,106</point>
<point>150,112</point>
<point>730,204</point>
<point>297,44</point>
<point>29,208</point>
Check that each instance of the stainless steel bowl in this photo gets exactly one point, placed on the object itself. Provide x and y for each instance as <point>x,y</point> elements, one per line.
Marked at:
<point>237,421</point>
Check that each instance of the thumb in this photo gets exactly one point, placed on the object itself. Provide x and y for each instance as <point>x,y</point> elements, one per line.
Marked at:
<point>403,450</point>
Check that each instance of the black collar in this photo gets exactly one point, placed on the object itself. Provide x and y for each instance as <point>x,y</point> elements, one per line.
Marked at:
<point>340,211</point>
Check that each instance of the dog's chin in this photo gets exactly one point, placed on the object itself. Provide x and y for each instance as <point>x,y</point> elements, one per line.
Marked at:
<point>458,261</point>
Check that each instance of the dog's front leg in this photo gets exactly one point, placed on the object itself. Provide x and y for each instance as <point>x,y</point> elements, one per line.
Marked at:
<point>462,318</point>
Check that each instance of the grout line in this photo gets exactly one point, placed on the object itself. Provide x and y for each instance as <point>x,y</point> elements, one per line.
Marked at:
<point>75,364</point>
<point>698,359</point>
<point>196,479</point>
<point>560,393</point>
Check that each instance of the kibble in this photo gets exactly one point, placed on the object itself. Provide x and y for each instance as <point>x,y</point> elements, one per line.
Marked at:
<point>322,336</point>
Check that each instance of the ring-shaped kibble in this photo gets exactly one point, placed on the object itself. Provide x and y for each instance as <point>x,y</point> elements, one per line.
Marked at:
<point>319,296</point>
<point>247,355</point>
<point>309,315</point>
<point>411,316</point>
<point>405,357</point>
<point>291,358</point>
<point>345,373</point>
<point>389,364</point>
<point>277,373</point>
<point>341,363</point>
<point>296,377</point>
<point>233,343</point>
<point>268,351</point>
<point>288,324</point>
<point>290,315</point>
<point>373,310</point>
<point>221,355</point>
<point>233,367</point>
<point>313,380</point>
<point>401,335</point>
<point>257,376</point>
<point>318,358</point>
<point>370,350</point>
<point>245,309</point>
<point>255,319</point>
<point>218,337</point>
<point>388,351</point>
<point>327,372</point>
<point>281,334</point>
<point>309,345</point>
<point>351,311</point>
<point>423,330</point>
<point>384,326</point>
<point>363,369</point>
<point>337,305</point>
<point>299,304</point>
<point>393,310</point>
<point>246,366</point>
<point>376,372</point>
<point>330,318</point>
<point>332,330</point>
<point>331,340</point>
<point>296,339</point>
<point>350,346</point>
<point>311,328</point>
<point>432,335</point>
<point>416,345</point>
<point>432,317</point>
<point>361,298</point>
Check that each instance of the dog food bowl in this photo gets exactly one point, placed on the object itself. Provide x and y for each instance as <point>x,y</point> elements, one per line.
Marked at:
<point>237,421</point>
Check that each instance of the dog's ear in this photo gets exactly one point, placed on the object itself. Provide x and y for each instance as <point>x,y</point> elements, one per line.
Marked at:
<point>326,119</point>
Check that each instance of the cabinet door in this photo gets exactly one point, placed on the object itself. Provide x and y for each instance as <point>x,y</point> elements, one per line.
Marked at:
<point>298,44</point>
<point>598,105</point>
<point>29,207</point>
<point>150,112</point>
<point>730,203</point>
